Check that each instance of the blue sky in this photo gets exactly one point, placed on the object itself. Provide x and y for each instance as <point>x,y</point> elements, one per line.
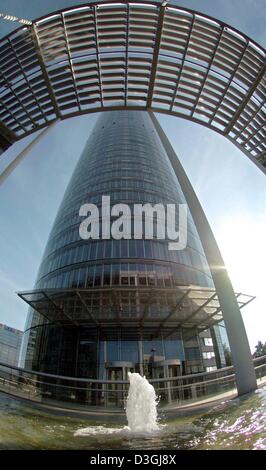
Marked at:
<point>231,188</point>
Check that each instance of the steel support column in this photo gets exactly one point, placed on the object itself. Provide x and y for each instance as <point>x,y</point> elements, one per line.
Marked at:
<point>8,170</point>
<point>240,350</point>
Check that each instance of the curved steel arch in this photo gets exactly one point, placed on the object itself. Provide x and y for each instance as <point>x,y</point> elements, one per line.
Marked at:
<point>127,55</point>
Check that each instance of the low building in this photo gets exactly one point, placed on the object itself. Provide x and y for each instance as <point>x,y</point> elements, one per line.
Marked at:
<point>10,342</point>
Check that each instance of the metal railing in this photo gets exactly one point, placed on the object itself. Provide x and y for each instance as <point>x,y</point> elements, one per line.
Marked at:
<point>77,393</point>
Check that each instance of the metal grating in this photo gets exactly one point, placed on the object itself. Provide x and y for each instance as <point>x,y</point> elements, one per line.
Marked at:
<point>158,312</point>
<point>126,55</point>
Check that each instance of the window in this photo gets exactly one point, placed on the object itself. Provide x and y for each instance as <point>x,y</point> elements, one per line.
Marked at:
<point>98,276</point>
<point>208,342</point>
<point>192,353</point>
<point>90,277</point>
<point>148,249</point>
<point>108,249</point>
<point>167,281</point>
<point>140,250</point>
<point>100,253</point>
<point>106,275</point>
<point>195,369</point>
<point>208,355</point>
<point>160,282</point>
<point>115,274</point>
<point>124,249</point>
<point>174,349</point>
<point>93,251</point>
<point>116,248</point>
<point>75,278</point>
<point>132,248</point>
<point>151,281</point>
<point>82,277</point>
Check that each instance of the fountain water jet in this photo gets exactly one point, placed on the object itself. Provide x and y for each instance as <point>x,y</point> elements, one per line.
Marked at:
<point>141,406</point>
<point>141,411</point>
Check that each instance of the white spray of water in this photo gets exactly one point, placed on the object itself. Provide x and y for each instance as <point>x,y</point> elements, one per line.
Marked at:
<point>141,406</point>
<point>141,411</point>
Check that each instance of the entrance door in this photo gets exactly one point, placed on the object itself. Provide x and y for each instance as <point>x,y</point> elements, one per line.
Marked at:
<point>174,370</point>
<point>115,374</point>
<point>117,392</point>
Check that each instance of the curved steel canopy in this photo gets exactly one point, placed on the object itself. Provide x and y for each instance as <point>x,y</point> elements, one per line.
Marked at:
<point>128,55</point>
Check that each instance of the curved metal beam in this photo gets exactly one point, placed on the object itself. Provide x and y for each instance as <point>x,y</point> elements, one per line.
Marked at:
<point>127,55</point>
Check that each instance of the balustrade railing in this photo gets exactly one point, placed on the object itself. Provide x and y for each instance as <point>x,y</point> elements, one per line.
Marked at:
<point>82,393</point>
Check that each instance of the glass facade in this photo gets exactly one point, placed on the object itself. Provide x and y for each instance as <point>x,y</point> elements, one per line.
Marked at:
<point>10,342</point>
<point>123,159</point>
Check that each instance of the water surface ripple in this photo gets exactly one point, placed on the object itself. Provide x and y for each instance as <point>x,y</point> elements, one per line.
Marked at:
<point>235,424</point>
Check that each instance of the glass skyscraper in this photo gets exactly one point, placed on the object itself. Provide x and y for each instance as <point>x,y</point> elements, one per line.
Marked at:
<point>102,307</point>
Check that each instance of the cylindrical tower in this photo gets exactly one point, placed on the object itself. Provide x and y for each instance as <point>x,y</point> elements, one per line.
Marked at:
<point>109,305</point>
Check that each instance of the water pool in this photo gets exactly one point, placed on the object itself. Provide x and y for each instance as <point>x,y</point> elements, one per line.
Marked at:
<point>234,424</point>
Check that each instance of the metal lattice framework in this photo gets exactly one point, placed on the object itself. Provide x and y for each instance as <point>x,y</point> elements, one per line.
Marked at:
<point>127,55</point>
<point>189,308</point>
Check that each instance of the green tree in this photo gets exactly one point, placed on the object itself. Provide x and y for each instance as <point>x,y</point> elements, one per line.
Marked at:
<point>260,349</point>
